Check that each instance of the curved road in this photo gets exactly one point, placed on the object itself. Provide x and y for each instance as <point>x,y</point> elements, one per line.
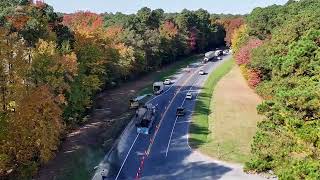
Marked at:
<point>165,154</point>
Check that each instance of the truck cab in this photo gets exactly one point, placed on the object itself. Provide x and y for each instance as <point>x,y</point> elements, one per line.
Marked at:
<point>135,103</point>
<point>158,87</point>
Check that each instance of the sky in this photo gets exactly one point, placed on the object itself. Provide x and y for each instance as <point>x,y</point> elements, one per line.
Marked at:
<point>132,6</point>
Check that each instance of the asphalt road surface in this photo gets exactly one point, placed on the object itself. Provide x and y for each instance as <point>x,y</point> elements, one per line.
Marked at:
<point>165,153</point>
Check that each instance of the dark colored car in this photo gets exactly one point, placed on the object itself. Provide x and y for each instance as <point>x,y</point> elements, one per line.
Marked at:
<point>180,111</point>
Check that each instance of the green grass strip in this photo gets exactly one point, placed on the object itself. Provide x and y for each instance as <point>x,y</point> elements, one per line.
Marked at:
<point>199,128</point>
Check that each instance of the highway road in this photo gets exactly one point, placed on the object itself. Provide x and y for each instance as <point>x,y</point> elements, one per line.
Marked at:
<point>165,154</point>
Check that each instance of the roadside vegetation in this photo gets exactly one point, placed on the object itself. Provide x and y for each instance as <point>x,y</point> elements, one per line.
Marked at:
<point>53,64</point>
<point>233,119</point>
<point>199,128</point>
<point>278,51</point>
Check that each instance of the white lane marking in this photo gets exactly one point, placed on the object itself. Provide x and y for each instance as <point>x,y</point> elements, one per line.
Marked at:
<point>198,93</point>
<point>181,122</point>
<point>171,101</point>
<point>114,144</point>
<point>138,134</point>
<point>195,83</point>
<point>175,122</point>
<point>171,136</point>
<point>126,156</point>
<point>176,82</point>
<point>165,90</point>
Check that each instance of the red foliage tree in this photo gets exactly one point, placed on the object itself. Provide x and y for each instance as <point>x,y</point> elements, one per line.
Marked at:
<point>192,41</point>
<point>254,78</point>
<point>85,20</point>
<point>230,26</point>
<point>243,56</point>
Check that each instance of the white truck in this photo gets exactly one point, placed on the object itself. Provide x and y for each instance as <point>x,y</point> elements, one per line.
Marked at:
<point>158,87</point>
<point>209,55</point>
<point>218,53</point>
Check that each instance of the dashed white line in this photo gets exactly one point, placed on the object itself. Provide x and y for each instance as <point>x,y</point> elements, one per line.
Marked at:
<point>175,122</point>
<point>171,136</point>
<point>138,134</point>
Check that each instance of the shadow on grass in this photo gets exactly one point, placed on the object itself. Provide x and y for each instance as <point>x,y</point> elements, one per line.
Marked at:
<point>199,128</point>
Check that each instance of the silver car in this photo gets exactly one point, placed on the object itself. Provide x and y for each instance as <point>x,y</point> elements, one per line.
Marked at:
<point>189,96</point>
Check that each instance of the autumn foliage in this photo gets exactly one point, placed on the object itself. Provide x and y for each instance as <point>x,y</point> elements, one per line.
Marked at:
<point>35,128</point>
<point>285,70</point>
<point>169,30</point>
<point>242,46</point>
<point>52,66</point>
<point>231,25</point>
<point>243,55</point>
<point>18,22</point>
<point>84,20</point>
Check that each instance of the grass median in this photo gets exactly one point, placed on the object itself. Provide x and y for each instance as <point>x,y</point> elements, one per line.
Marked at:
<point>225,118</point>
<point>199,128</point>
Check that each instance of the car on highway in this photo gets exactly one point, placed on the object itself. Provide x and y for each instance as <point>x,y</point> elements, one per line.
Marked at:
<point>167,82</point>
<point>201,72</point>
<point>189,96</point>
<point>226,52</point>
<point>158,88</point>
<point>180,111</point>
<point>219,58</point>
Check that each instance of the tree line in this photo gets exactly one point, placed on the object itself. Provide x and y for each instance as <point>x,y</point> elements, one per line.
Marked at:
<point>52,65</point>
<point>278,50</point>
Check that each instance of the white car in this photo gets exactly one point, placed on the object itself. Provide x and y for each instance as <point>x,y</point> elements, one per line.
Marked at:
<point>201,72</point>
<point>189,96</point>
<point>219,58</point>
<point>167,82</point>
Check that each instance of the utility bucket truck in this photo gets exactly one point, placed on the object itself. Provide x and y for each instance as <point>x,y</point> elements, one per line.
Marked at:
<point>145,118</point>
<point>158,87</point>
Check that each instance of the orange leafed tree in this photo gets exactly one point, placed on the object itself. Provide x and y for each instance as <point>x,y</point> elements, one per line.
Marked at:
<point>230,26</point>
<point>113,31</point>
<point>18,21</point>
<point>35,128</point>
<point>168,30</point>
<point>84,20</point>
